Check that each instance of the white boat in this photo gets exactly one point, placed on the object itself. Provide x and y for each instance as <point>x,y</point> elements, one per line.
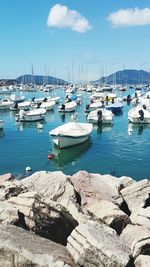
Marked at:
<point>5,104</point>
<point>1,124</point>
<point>68,107</point>
<point>23,105</point>
<point>93,106</point>
<point>139,115</point>
<point>56,99</point>
<point>32,115</point>
<point>17,99</point>
<point>49,105</point>
<point>103,116</point>
<point>71,133</point>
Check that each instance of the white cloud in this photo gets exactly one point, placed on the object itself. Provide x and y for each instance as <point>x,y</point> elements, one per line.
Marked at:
<point>130,17</point>
<point>61,17</point>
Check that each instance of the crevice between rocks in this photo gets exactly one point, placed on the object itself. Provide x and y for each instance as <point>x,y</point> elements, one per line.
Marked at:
<point>130,263</point>
<point>124,207</point>
<point>145,250</point>
<point>147,202</point>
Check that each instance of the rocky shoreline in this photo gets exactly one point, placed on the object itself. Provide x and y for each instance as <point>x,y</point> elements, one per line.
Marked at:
<point>50,219</point>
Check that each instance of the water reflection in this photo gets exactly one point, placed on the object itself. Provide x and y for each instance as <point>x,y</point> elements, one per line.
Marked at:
<point>103,128</point>
<point>2,133</point>
<point>24,125</point>
<point>71,154</point>
<point>63,117</point>
<point>139,128</point>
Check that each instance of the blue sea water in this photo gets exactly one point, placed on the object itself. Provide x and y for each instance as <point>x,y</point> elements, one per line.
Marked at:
<point>110,150</point>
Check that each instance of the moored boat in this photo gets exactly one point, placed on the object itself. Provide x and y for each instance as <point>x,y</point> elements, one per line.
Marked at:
<point>71,133</point>
<point>139,115</point>
<point>68,107</point>
<point>32,115</point>
<point>102,116</point>
<point>116,107</point>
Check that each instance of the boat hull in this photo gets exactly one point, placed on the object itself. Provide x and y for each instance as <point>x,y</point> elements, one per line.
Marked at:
<point>67,141</point>
<point>27,118</point>
<point>138,120</point>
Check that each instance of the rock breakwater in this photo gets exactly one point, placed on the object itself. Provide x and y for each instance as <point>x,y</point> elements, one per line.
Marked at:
<point>50,219</point>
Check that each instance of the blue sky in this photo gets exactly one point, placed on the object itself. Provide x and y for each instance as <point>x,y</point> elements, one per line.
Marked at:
<point>73,39</point>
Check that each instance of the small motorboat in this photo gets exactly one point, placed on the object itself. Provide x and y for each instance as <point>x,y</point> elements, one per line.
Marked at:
<point>23,105</point>
<point>68,107</point>
<point>56,99</point>
<point>5,104</point>
<point>1,124</point>
<point>103,116</point>
<point>71,133</point>
<point>139,115</point>
<point>32,115</point>
<point>17,99</point>
<point>93,106</point>
<point>49,105</point>
<point>115,107</point>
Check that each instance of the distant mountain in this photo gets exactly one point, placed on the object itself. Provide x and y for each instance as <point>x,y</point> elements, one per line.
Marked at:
<point>39,79</point>
<point>126,77</point>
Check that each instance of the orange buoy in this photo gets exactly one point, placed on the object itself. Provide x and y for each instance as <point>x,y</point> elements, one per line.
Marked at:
<point>50,156</point>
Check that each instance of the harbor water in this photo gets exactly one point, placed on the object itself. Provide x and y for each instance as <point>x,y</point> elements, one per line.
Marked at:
<point>110,150</point>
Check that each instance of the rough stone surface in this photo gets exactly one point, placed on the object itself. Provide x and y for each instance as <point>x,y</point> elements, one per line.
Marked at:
<point>137,238</point>
<point>141,217</point>
<point>110,214</point>
<point>6,177</point>
<point>125,181</point>
<point>94,245</point>
<point>20,248</point>
<point>137,195</point>
<point>55,186</point>
<point>49,184</point>
<point>8,213</point>
<point>11,188</point>
<point>95,187</point>
<point>49,220</point>
<point>142,261</point>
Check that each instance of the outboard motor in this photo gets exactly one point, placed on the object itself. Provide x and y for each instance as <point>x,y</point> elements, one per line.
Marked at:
<point>38,105</point>
<point>128,99</point>
<point>141,113</point>
<point>45,99</point>
<point>87,107</point>
<point>63,107</point>
<point>100,117</point>
<point>144,106</point>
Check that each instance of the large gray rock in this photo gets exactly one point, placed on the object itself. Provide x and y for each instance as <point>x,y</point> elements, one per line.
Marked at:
<point>50,220</point>
<point>8,213</point>
<point>55,186</point>
<point>95,245</point>
<point>137,195</point>
<point>142,261</point>
<point>125,181</point>
<point>20,248</point>
<point>5,177</point>
<point>141,216</point>
<point>109,213</point>
<point>95,187</point>
<point>11,188</point>
<point>137,238</point>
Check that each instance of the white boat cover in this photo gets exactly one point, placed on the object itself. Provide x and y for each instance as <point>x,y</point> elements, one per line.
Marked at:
<point>73,129</point>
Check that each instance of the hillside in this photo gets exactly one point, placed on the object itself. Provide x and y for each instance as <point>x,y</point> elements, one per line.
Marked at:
<point>126,77</point>
<point>39,79</point>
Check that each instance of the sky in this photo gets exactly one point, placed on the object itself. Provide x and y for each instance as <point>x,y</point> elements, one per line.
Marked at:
<point>73,39</point>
